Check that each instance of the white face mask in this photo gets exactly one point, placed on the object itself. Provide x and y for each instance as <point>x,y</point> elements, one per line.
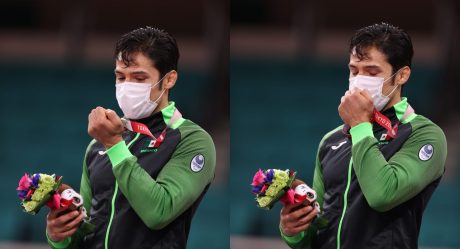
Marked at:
<point>374,85</point>
<point>134,99</point>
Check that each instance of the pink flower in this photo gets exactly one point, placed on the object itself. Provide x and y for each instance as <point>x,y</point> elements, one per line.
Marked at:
<point>288,197</point>
<point>264,188</point>
<point>30,193</point>
<point>54,202</point>
<point>258,178</point>
<point>24,183</point>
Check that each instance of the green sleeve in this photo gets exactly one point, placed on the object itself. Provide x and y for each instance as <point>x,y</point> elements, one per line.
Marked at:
<point>85,187</point>
<point>318,183</point>
<point>303,239</point>
<point>85,191</point>
<point>387,184</point>
<point>159,201</point>
<point>72,242</point>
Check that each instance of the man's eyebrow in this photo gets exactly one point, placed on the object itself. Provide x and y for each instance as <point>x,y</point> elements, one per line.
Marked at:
<point>366,66</point>
<point>140,72</point>
<point>134,72</point>
<point>372,67</point>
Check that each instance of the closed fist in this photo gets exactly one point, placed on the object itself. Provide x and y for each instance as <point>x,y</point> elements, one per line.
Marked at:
<point>105,126</point>
<point>356,107</point>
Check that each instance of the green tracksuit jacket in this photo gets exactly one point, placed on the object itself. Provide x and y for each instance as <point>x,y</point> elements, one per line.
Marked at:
<point>143,197</point>
<point>373,191</point>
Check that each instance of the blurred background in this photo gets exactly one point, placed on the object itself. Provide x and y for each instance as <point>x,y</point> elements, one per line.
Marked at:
<point>56,64</point>
<point>288,71</point>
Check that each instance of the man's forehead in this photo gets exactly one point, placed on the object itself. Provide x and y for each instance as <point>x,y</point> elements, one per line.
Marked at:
<point>354,60</point>
<point>367,52</point>
<point>136,63</point>
<point>132,69</point>
<point>369,56</point>
<point>120,64</point>
<point>133,59</point>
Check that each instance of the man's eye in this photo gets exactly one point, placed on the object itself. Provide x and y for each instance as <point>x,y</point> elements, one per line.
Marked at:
<point>120,78</point>
<point>140,79</point>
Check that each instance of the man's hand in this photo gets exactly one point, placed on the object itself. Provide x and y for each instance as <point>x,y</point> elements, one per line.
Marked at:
<point>356,107</point>
<point>105,126</point>
<point>62,223</point>
<point>296,218</point>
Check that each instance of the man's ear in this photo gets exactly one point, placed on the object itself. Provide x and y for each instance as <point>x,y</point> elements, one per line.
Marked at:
<point>403,76</point>
<point>170,80</point>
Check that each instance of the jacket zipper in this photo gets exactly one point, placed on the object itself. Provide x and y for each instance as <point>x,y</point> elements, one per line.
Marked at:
<point>345,197</point>
<point>112,212</point>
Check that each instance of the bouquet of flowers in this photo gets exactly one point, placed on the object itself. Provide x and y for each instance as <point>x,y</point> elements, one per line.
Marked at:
<point>272,185</point>
<point>37,190</point>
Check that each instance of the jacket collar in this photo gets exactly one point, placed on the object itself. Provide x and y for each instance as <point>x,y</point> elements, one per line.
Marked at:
<point>159,120</point>
<point>394,113</point>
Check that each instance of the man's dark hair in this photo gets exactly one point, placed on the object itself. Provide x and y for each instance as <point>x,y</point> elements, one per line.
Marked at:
<point>154,43</point>
<point>392,41</point>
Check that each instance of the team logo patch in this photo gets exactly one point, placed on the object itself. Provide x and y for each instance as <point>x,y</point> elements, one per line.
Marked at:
<point>197,163</point>
<point>149,146</point>
<point>426,152</point>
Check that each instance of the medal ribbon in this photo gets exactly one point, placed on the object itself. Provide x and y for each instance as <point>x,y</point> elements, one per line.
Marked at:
<point>143,129</point>
<point>385,122</point>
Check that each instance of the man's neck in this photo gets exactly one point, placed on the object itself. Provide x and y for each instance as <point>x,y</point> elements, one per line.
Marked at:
<point>163,104</point>
<point>393,101</point>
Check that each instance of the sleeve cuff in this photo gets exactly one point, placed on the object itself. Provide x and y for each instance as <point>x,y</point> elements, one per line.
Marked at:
<point>361,131</point>
<point>118,153</point>
<point>292,239</point>
<point>59,245</point>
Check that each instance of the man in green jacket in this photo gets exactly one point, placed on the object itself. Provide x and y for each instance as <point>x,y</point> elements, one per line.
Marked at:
<point>375,174</point>
<point>142,181</point>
